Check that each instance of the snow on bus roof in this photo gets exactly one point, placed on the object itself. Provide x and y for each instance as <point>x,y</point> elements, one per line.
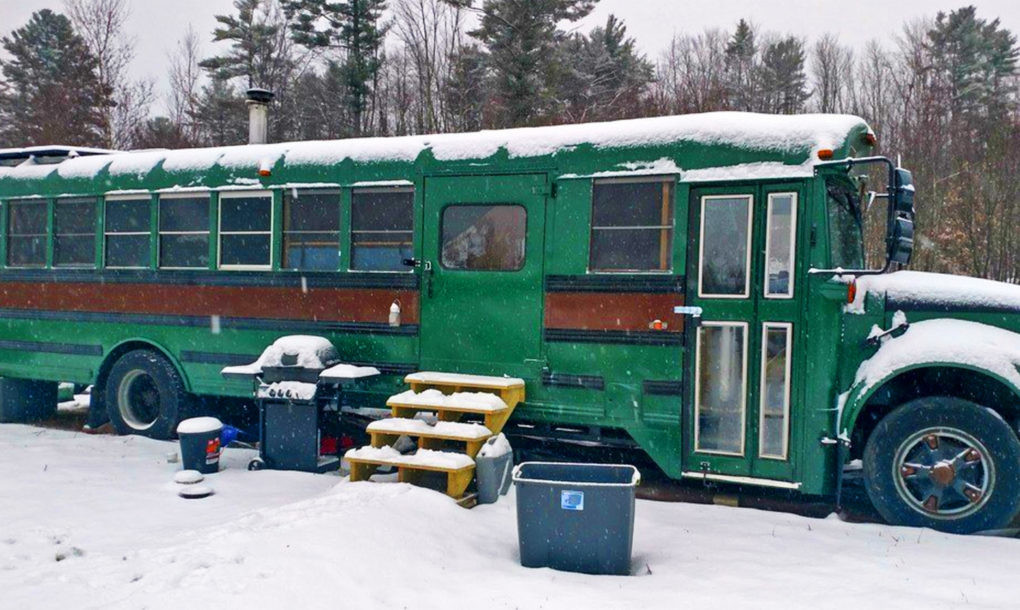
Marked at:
<point>775,133</point>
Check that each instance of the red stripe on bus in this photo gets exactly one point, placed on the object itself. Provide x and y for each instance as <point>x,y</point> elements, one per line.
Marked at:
<point>321,304</point>
<point>634,311</point>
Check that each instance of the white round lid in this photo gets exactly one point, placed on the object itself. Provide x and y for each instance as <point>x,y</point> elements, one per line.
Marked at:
<point>188,477</point>
<point>197,425</point>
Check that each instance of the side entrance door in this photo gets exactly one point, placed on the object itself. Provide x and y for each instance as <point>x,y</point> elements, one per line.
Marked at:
<point>481,289</point>
<point>738,421</point>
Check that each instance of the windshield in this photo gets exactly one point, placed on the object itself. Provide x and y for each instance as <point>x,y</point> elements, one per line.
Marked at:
<point>846,242</point>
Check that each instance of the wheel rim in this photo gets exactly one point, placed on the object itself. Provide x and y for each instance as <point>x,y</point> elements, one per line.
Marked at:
<point>138,400</point>
<point>944,473</point>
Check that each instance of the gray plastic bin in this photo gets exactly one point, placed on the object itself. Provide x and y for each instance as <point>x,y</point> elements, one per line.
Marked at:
<point>576,517</point>
<point>494,473</point>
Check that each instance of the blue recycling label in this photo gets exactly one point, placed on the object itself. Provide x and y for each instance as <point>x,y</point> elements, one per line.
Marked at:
<point>572,500</point>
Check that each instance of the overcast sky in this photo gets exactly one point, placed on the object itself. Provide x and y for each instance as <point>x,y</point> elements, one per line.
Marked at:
<point>158,24</point>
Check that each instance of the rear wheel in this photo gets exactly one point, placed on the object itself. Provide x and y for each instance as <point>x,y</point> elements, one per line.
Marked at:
<point>944,463</point>
<point>145,395</point>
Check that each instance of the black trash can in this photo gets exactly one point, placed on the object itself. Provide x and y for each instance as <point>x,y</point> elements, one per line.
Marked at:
<point>576,517</point>
<point>200,444</point>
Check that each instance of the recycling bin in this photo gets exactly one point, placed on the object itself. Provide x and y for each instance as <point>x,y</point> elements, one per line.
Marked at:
<point>576,517</point>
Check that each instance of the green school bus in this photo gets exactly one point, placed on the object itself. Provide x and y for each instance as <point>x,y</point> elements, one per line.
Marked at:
<point>693,286</point>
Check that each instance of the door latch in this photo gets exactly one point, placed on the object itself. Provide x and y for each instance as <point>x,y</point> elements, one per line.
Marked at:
<point>427,276</point>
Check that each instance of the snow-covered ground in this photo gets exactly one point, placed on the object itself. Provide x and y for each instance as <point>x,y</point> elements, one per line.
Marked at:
<point>94,522</point>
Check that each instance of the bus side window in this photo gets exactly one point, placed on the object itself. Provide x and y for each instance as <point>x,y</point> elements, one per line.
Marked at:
<point>128,224</point>
<point>382,229</point>
<point>311,230</point>
<point>632,225</point>
<point>26,233</point>
<point>74,232</point>
<point>184,231</point>
<point>246,230</point>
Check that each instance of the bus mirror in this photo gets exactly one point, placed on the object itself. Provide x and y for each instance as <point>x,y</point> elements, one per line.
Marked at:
<point>903,193</point>
<point>901,241</point>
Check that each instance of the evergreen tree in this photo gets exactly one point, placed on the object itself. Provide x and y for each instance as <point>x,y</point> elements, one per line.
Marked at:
<point>521,38</point>
<point>222,115</point>
<point>783,80</point>
<point>974,60</point>
<point>741,64</point>
<point>466,95</point>
<point>605,75</point>
<point>53,94</point>
<point>355,29</point>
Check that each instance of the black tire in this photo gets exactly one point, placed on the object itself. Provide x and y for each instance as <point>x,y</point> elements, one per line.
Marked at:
<point>145,395</point>
<point>944,463</point>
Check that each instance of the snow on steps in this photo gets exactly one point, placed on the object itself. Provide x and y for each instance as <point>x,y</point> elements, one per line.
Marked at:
<point>465,402</point>
<point>430,435</point>
<point>424,459</point>
<point>458,468</point>
<point>444,429</point>
<point>433,378</point>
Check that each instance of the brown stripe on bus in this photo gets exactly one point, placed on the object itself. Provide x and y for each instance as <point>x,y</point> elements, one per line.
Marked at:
<point>322,304</point>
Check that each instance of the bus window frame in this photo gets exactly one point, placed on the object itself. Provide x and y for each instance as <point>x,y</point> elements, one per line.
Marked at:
<point>791,287</point>
<point>748,253</point>
<point>159,232</point>
<point>146,197</point>
<point>666,250</point>
<point>46,202</point>
<point>254,193</point>
<point>286,195</point>
<point>351,193</point>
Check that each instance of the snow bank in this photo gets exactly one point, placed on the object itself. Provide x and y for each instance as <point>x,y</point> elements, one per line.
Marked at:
<point>937,289</point>
<point>774,133</point>
<point>311,352</point>
<point>481,402</point>
<point>936,341</point>
<point>284,539</point>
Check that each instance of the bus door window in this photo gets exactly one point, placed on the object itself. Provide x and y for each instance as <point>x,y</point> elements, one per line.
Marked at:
<point>780,236</point>
<point>483,237</point>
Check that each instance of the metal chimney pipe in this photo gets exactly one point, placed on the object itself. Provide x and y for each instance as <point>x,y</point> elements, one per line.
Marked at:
<point>258,115</point>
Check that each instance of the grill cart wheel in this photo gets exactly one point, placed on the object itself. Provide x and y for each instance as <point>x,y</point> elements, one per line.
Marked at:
<point>145,395</point>
<point>944,463</point>
<point>256,464</point>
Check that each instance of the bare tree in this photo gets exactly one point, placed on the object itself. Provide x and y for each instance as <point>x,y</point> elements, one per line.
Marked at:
<point>101,23</point>
<point>692,74</point>
<point>185,80</point>
<point>831,71</point>
<point>431,31</point>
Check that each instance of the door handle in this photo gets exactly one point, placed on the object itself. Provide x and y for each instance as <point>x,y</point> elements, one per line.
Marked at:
<point>688,310</point>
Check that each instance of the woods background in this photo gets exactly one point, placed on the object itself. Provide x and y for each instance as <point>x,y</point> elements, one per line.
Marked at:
<point>944,94</point>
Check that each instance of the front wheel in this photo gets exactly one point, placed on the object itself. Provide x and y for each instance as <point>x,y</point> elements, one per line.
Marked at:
<point>944,463</point>
<point>145,395</point>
